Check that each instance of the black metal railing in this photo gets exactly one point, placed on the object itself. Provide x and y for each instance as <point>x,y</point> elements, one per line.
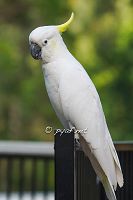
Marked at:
<point>78,181</point>
<point>29,167</point>
<point>26,167</point>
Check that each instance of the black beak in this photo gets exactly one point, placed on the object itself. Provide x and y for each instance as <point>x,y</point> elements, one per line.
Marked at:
<point>35,50</point>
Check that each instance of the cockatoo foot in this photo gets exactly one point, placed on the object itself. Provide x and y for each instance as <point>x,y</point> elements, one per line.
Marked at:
<point>77,144</point>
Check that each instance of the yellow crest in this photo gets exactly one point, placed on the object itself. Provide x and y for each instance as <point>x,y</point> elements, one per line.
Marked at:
<point>63,27</point>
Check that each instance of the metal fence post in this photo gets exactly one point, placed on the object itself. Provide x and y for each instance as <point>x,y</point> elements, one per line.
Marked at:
<point>64,166</point>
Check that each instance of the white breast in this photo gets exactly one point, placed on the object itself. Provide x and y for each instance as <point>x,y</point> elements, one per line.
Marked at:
<point>51,78</point>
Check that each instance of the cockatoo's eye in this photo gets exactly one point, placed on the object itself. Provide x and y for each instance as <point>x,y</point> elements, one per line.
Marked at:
<point>45,42</point>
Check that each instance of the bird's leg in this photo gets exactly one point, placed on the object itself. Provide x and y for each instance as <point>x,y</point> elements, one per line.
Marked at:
<point>76,135</point>
<point>97,180</point>
<point>77,143</point>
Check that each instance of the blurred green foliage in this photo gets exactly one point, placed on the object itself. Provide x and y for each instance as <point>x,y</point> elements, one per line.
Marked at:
<point>101,38</point>
<point>44,169</point>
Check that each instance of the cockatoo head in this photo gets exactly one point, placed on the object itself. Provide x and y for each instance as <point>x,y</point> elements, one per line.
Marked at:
<point>45,41</point>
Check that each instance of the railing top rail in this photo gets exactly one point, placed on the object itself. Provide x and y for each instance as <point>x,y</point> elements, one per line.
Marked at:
<point>36,149</point>
<point>121,146</point>
<point>124,145</point>
<point>44,149</point>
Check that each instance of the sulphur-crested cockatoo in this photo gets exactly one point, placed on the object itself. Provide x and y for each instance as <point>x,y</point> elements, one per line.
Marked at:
<point>76,102</point>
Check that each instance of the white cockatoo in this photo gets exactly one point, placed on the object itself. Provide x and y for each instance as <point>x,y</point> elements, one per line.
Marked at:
<point>76,102</point>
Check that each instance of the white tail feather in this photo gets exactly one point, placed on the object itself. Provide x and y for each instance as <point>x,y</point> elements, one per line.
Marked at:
<point>109,189</point>
<point>119,174</point>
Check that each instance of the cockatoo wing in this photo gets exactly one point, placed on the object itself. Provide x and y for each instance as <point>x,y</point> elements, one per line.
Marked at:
<point>82,108</point>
